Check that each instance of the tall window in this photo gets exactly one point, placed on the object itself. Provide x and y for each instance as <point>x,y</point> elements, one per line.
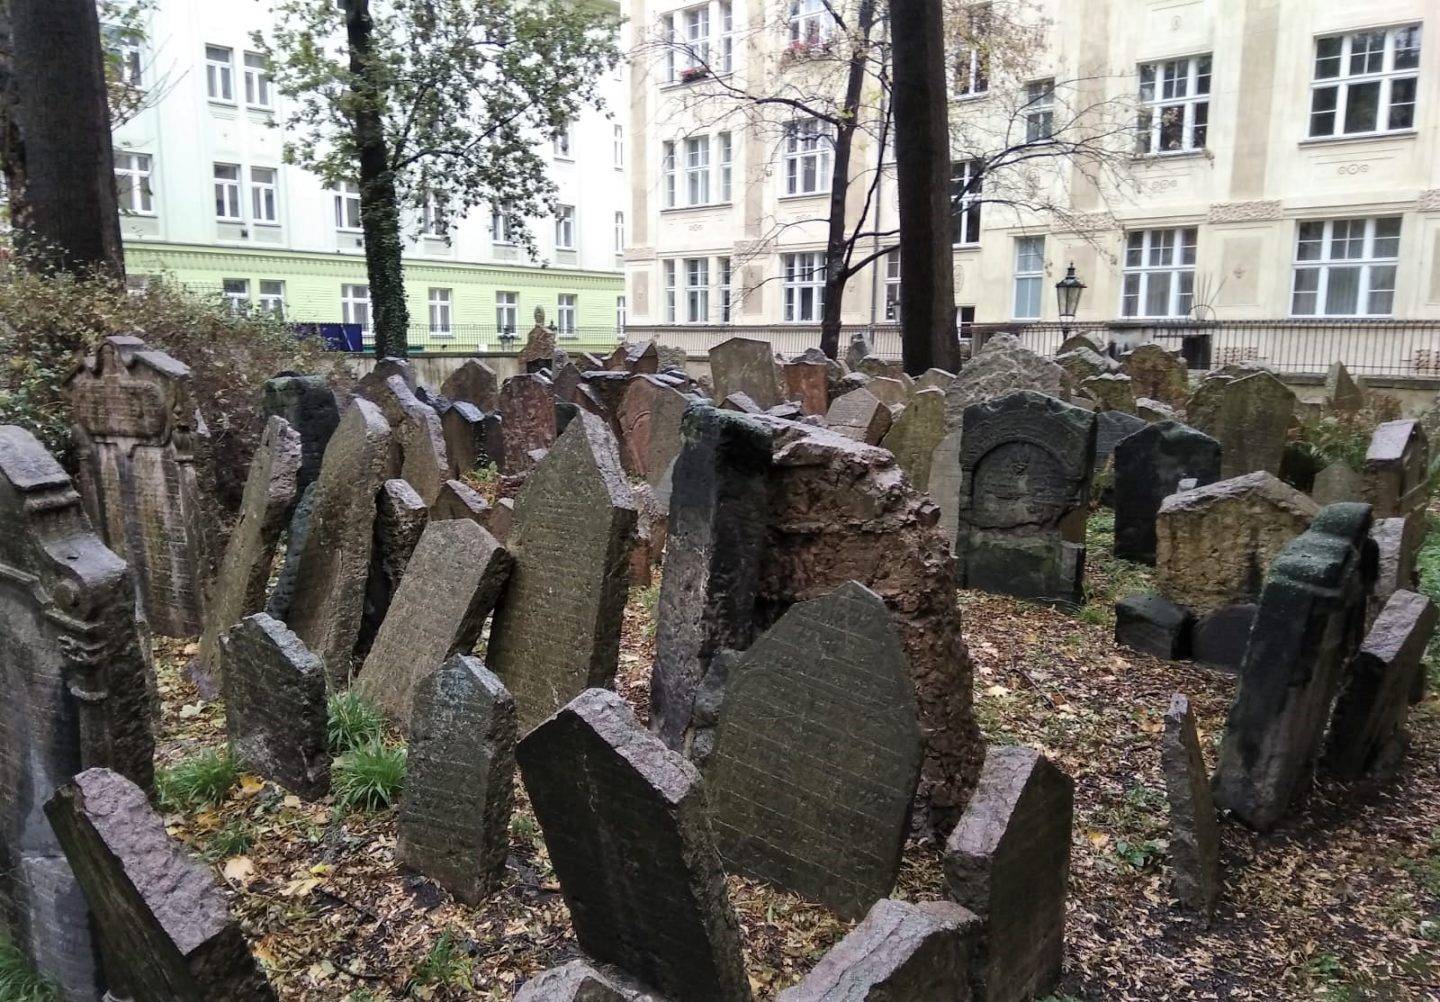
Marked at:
<point>1159,273</point>
<point>220,73</point>
<point>965,191</point>
<point>507,312</point>
<point>619,233</point>
<point>565,227</point>
<point>128,55</point>
<point>1365,82</point>
<point>1346,267</point>
<point>972,63</point>
<point>619,147</point>
<point>667,271</point>
<point>808,148</point>
<point>1029,276</point>
<point>1174,105</point>
<point>435,222</point>
<point>565,314</point>
<point>892,285</point>
<point>257,82</point>
<point>132,182</point>
<point>440,301</point>
<point>695,26</point>
<point>697,290</point>
<point>808,21</point>
<point>621,315</point>
<point>727,156</point>
<point>1039,110</point>
<point>355,306</point>
<point>263,195</point>
<point>697,170</point>
<point>272,298</point>
<point>501,226</point>
<point>563,142</point>
<point>227,192</point>
<point>724,281</point>
<point>667,173</point>
<point>727,36</point>
<point>347,205</point>
<point>804,280</point>
<point>237,295</point>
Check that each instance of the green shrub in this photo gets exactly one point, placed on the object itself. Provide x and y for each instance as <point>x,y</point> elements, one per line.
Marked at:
<point>19,982</point>
<point>352,721</point>
<point>202,780</point>
<point>235,839</point>
<point>369,777</point>
<point>447,963</point>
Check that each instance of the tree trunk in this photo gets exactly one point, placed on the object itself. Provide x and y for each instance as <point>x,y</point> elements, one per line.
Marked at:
<point>379,204</point>
<point>922,163</point>
<point>56,141</point>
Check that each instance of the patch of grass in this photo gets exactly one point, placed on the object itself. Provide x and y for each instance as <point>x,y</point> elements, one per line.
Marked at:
<point>352,722</point>
<point>1145,855</point>
<point>523,826</point>
<point>235,839</point>
<point>202,780</point>
<point>369,778</point>
<point>19,982</point>
<point>1108,578</point>
<point>447,963</point>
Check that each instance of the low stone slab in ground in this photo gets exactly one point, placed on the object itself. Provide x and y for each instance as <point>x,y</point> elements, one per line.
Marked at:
<point>1194,833</point>
<point>583,981</point>
<point>1153,625</point>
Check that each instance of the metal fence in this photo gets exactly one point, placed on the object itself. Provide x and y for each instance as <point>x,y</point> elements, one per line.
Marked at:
<point>472,339</point>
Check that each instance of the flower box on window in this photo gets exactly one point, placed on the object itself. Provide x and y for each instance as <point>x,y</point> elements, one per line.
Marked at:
<point>802,49</point>
<point>692,73</point>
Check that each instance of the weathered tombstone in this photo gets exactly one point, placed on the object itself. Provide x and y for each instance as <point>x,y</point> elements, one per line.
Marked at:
<point>635,357</point>
<point>915,433</point>
<point>741,402</point>
<point>1111,428</point>
<point>1149,465</point>
<point>463,425</point>
<point>945,483</point>
<point>458,499</point>
<point>1194,832</point>
<point>75,696</point>
<point>1367,733</point>
<point>1153,625</point>
<point>807,382</point>
<point>270,493</point>
<point>1075,342</point>
<point>1220,636</point>
<point>718,508</point>
<point>374,380</point>
<point>582,981</point>
<point>1342,394</point>
<point>1311,619</point>
<point>900,951</point>
<point>935,379</point>
<point>859,415</point>
<point>813,760</point>
<point>1008,861</point>
<point>501,519</point>
<point>333,567</point>
<point>1148,409</point>
<point>282,592</point>
<point>649,418</point>
<point>275,711</point>
<point>1157,373</point>
<point>425,464</point>
<point>745,365</point>
<point>400,518</point>
<point>1026,462</point>
<point>1338,482</point>
<point>527,421</point>
<point>308,405</point>
<point>164,928</point>
<point>857,350</point>
<point>135,432</point>
<point>889,391</point>
<point>624,819</point>
<point>1111,391</point>
<point>1397,541</point>
<point>450,586</point>
<point>557,627</point>
<point>1249,416</point>
<point>1397,469</point>
<point>454,824</point>
<point>539,350</point>
<point>474,383</point>
<point>1083,364</point>
<point>1003,365</point>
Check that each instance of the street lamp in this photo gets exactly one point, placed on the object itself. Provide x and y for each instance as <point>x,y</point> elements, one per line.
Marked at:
<point>1068,291</point>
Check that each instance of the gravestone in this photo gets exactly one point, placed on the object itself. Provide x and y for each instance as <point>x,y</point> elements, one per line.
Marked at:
<point>1154,410</point>
<point>816,753</point>
<point>889,391</point>
<point>857,350</point>
<point>334,565</point>
<point>859,415</point>
<point>1025,462</point>
<point>1082,364</point>
<point>899,951</point>
<point>76,696</point>
<point>718,509</point>
<point>458,499</point>
<point>474,383</point>
<point>625,822</point>
<point>417,439</point>
<point>1342,394</point>
<point>1367,732</point>
<point>807,381</point>
<point>1152,625</point>
<point>635,357</point>
<point>649,418</point>
<point>1111,391</point>
<point>454,822</point>
<point>1008,861</point>
<point>1310,622</point>
<point>1112,428</point>
<point>1248,415</point>
<point>745,365</point>
<point>308,405</point>
<point>400,518</point>
<point>915,433</point>
<point>879,368</point>
<point>275,711</point>
<point>1149,465</point>
<point>282,592</point>
<point>1194,831</point>
<point>374,380</point>
<point>450,586</point>
<point>1090,342</point>
<point>1398,542</point>
<point>582,981</point>
<point>1397,469</point>
<point>557,627</point>
<point>1003,365</point>
<point>1338,482</point>
<point>1158,374</point>
<point>135,432</point>
<point>741,402</point>
<point>270,493</point>
<point>463,425</point>
<point>527,421</point>
<point>539,350</point>
<point>1220,636</point>
<point>935,379</point>
<point>164,928</point>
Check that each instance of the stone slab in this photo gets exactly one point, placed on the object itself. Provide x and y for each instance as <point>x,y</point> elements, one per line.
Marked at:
<point>1194,831</point>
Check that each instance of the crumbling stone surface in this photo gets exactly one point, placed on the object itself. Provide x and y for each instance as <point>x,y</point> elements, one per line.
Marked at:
<point>308,405</point>
<point>583,981</point>
<point>1004,364</point>
<point>1194,831</point>
<point>746,365</point>
<point>915,434</point>
<point>860,415</point>
<point>1157,373</point>
<point>1248,414</point>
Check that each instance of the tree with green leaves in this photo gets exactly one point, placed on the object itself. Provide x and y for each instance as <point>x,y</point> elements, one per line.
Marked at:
<point>432,108</point>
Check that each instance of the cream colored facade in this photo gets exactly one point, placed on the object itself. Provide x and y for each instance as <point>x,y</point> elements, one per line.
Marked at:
<point>1274,210</point>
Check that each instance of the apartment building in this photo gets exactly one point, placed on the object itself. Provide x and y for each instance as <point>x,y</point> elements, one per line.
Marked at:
<point>1276,159</point>
<point>206,199</point>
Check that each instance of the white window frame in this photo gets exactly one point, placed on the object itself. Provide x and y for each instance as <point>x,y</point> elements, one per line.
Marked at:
<point>228,206</point>
<point>440,303</point>
<point>220,74</point>
<point>1372,264</point>
<point>1039,109</point>
<point>507,312</point>
<point>259,88</point>
<point>695,32</point>
<point>809,24</point>
<point>237,295</point>
<point>567,314</point>
<point>966,191</point>
<point>724,279</point>
<point>134,173</point>
<point>433,219</point>
<point>1395,43</point>
<point>1174,91</point>
<point>727,36</point>
<point>565,227</point>
<point>668,186</point>
<point>1029,299</point>
<point>564,142</point>
<point>892,285</point>
<point>355,307</point>
<point>502,225</point>
<point>970,67</point>
<point>347,207</point>
<point>272,297</point>
<point>726,156</point>
<point>1159,254</point>
<point>619,233</point>
<point>809,147</point>
<point>265,196</point>
<point>697,170</point>
<point>803,277</point>
<point>130,54</point>
<point>697,290</point>
<point>619,147</point>
<point>622,314</point>
<point>667,278</point>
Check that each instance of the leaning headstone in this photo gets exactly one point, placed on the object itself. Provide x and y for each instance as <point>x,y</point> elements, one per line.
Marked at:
<point>458,499</point>
<point>308,405</point>
<point>1083,364</point>
<point>1367,734</point>
<point>1310,622</point>
<point>1149,465</point>
<point>1003,365</point>
<point>635,357</point>
<point>1397,542</point>
<point>1220,636</point>
<point>1075,342</point>
<point>582,981</point>
<point>135,431</point>
<point>539,350</point>
<point>474,383</point>
<point>527,421</point>
<point>1111,428</point>
<point>275,713</point>
<point>879,368</point>
<point>1157,373</point>
<point>1338,482</point>
<point>270,493</point>
<point>899,951</point>
<point>374,380</point>
<point>745,365</point>
<point>625,822</point>
<point>718,508</point>
<point>807,382</point>
<point>400,518</point>
<point>1111,391</point>
<point>417,439</point>
<point>1249,416</point>
<point>454,823</point>
<point>1025,462</point>
<point>1397,469</point>
<point>1342,393</point>
<point>75,690</point>
<point>915,433</point>
<point>451,584</point>
<point>1152,625</point>
<point>817,805</point>
<point>649,418</point>
<point>164,928</point>
<point>935,379</point>
<point>859,415</point>
<point>857,350</point>
<point>1008,861</point>
<point>557,627</point>
<point>1148,409</point>
<point>463,425</point>
<point>1194,832</point>
<point>282,592</point>
<point>741,402</point>
<point>889,391</point>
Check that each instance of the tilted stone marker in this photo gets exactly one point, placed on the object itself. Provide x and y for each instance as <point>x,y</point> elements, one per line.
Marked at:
<point>400,518</point>
<point>270,493</point>
<point>1249,416</point>
<point>1111,428</point>
<point>75,693</point>
<point>649,418</point>
<point>557,627</point>
<point>474,383</point>
<point>745,365</point>
<point>807,382</point>
<point>935,379</point>
<point>712,560</point>
<point>1311,620</point>
<point>275,710</point>
<point>282,592</point>
<point>1338,482</point>
<point>1111,391</point>
<point>859,415</point>
<point>1397,469</point>
<point>450,586</point>
<point>454,824</point>
<point>1194,831</point>
<point>889,391</point>
<point>417,439</point>
<point>308,405</point>
<point>527,421</point>
<point>165,931</point>
<point>817,752</point>
<point>915,433</point>
<point>1008,861</point>
<point>1342,393</point>
<point>1157,373</point>
<point>917,952</point>
<point>458,499</point>
<point>463,425</point>
<point>135,431</point>
<point>582,981</point>
<point>1149,466</point>
<point>1003,365</point>
<point>1153,625</point>
<point>624,819</point>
